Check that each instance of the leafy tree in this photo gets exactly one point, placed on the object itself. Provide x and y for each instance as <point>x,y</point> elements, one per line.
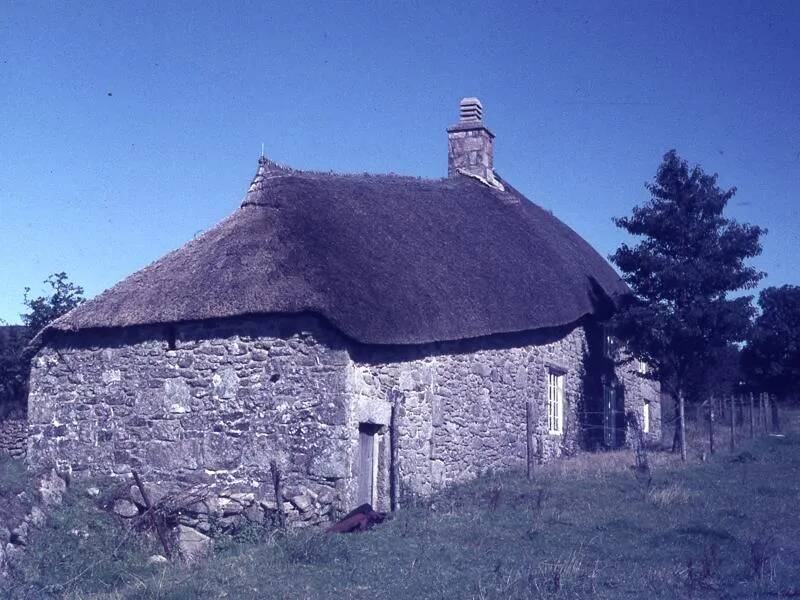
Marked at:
<point>687,260</point>
<point>771,359</point>
<point>44,310</point>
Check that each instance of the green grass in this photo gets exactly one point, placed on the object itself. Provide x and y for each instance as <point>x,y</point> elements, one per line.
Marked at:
<point>585,528</point>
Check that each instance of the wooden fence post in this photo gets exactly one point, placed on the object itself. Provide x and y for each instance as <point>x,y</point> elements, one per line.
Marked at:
<point>776,417</point>
<point>394,459</point>
<point>682,424</point>
<point>752,418</point>
<point>711,404</point>
<point>529,437</point>
<point>733,424</point>
<point>155,519</point>
<point>277,485</point>
<point>767,413</point>
<point>763,411</point>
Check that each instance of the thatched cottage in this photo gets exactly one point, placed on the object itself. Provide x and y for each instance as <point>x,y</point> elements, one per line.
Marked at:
<point>375,336</point>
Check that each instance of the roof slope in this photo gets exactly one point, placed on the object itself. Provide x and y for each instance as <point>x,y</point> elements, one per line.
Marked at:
<point>386,259</point>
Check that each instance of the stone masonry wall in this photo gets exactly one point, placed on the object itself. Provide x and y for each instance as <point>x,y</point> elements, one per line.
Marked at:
<point>217,408</point>
<point>463,405</point>
<point>215,403</point>
<point>13,435</point>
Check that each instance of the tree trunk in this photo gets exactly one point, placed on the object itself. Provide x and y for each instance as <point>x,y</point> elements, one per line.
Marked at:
<point>733,424</point>
<point>776,417</point>
<point>711,404</point>
<point>682,423</point>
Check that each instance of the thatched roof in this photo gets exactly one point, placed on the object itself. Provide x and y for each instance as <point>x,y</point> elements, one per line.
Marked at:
<point>386,259</point>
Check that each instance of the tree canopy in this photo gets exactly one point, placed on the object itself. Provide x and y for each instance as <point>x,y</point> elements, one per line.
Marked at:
<point>43,310</point>
<point>771,359</point>
<point>688,259</point>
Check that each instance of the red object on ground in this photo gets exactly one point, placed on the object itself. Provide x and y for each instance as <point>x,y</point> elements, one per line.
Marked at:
<point>359,519</point>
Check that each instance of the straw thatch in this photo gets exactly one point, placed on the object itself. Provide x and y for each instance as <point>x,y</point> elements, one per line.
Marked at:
<point>386,259</point>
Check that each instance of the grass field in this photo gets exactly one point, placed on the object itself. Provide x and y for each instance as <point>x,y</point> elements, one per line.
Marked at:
<point>584,528</point>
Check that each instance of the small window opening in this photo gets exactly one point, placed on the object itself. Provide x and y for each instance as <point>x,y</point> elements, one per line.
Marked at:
<point>274,377</point>
<point>646,418</point>
<point>171,338</point>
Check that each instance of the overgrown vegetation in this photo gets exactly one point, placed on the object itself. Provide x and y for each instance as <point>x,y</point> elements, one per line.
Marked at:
<point>586,527</point>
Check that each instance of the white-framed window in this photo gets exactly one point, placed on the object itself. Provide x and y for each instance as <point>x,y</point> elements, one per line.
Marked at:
<point>641,366</point>
<point>555,402</point>
<point>609,343</point>
<point>646,417</point>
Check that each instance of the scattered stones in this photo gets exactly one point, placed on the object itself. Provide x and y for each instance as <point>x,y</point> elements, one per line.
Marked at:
<point>52,488</point>
<point>126,508</point>
<point>37,516</point>
<point>157,559</point>
<point>193,544</point>
<point>302,503</point>
<point>93,492</point>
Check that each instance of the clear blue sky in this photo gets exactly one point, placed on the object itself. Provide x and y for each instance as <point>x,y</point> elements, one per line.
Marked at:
<point>128,127</point>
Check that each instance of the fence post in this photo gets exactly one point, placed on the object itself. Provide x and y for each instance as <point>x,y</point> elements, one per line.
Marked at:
<point>711,404</point>
<point>752,418</point>
<point>394,458</point>
<point>277,488</point>
<point>733,424</point>
<point>682,418</point>
<point>531,442</point>
<point>776,417</point>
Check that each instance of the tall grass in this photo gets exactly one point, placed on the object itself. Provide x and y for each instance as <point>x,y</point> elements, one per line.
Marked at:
<point>585,527</point>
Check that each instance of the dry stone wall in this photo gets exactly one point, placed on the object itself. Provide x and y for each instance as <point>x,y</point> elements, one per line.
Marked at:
<point>199,404</point>
<point>13,435</point>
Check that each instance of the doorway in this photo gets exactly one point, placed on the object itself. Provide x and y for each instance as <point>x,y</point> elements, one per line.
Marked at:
<point>367,463</point>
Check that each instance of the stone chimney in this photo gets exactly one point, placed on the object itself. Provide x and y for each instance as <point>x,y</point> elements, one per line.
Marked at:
<point>470,144</point>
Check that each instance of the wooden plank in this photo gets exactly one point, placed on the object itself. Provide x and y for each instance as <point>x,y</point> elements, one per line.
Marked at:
<point>394,459</point>
<point>366,445</point>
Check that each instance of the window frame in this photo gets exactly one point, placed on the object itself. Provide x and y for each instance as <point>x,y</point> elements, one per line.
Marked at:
<point>555,401</point>
<point>646,417</point>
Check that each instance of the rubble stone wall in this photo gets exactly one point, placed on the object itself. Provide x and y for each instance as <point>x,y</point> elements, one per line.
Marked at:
<point>463,405</point>
<point>13,435</point>
<point>198,404</point>
<point>215,403</point>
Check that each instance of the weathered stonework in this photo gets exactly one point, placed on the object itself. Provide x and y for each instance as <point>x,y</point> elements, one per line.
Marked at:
<point>215,403</point>
<point>226,401</point>
<point>13,434</point>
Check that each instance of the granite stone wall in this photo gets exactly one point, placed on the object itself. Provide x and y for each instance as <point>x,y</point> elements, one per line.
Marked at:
<point>214,404</point>
<point>463,405</point>
<point>201,404</point>
<point>13,435</point>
